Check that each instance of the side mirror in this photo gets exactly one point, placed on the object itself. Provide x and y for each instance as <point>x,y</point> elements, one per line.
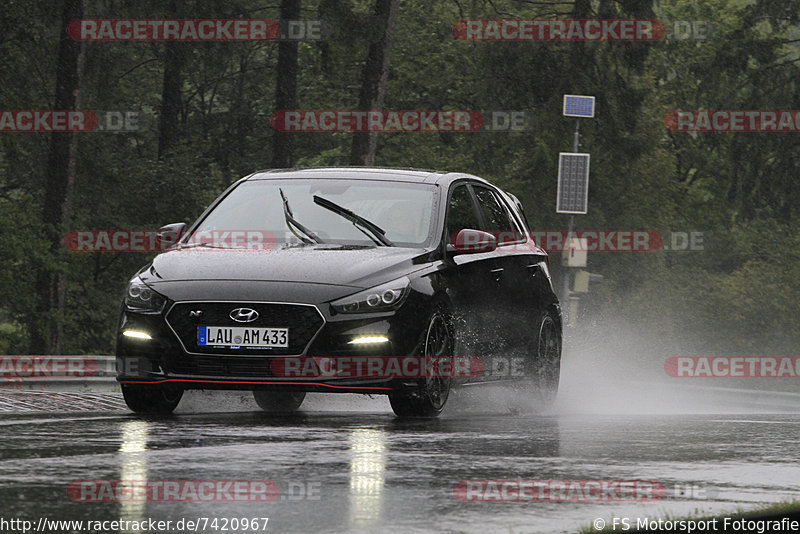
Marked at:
<point>468,241</point>
<point>168,235</point>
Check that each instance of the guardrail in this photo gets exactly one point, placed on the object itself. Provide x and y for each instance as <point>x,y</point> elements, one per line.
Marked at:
<point>86,373</point>
<point>97,374</point>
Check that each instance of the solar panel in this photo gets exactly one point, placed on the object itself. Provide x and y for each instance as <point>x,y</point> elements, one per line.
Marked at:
<point>573,183</point>
<point>578,106</point>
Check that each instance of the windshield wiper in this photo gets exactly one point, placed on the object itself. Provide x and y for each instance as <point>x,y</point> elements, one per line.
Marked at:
<point>375,232</point>
<point>310,237</point>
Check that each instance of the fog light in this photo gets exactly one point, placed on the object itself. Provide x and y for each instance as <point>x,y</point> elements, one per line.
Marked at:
<point>136,334</point>
<point>368,339</point>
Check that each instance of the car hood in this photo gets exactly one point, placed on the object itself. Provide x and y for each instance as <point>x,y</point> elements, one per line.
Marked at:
<point>357,267</point>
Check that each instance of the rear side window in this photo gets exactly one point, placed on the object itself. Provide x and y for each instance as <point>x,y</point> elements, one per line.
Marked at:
<point>498,219</point>
<point>461,212</point>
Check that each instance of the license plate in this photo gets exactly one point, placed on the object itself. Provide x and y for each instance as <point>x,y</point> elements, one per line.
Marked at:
<point>240,336</point>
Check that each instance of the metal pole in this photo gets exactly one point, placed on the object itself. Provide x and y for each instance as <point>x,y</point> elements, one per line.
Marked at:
<point>565,302</point>
<point>565,305</point>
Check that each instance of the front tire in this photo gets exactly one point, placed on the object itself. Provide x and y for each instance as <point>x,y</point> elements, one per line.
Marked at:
<point>151,399</point>
<point>279,401</point>
<point>433,391</point>
<point>542,369</point>
<point>546,365</point>
<point>548,360</point>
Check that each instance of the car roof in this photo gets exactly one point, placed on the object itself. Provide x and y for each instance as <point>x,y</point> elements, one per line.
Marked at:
<point>396,174</point>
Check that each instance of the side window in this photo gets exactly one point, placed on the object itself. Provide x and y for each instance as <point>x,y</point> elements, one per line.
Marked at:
<point>498,220</point>
<point>461,212</point>
<point>518,212</point>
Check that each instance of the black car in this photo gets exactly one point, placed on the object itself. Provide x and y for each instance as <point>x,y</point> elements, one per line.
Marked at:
<point>304,280</point>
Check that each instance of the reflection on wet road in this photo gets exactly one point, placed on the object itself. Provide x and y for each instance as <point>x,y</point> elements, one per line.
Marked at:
<point>340,469</point>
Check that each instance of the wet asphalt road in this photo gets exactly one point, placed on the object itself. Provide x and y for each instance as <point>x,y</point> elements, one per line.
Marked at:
<point>347,464</point>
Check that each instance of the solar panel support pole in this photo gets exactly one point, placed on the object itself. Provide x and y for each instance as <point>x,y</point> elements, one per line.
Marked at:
<point>565,302</point>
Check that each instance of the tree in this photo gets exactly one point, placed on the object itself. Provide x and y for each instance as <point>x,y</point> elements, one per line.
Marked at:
<point>286,87</point>
<point>51,282</point>
<point>171,88</point>
<point>373,79</point>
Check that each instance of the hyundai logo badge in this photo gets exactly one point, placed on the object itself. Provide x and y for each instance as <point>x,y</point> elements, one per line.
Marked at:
<point>244,315</point>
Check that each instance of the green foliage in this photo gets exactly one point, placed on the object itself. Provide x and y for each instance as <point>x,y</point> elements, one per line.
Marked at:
<point>740,294</point>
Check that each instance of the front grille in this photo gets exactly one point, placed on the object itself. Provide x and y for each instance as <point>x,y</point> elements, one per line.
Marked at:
<point>223,366</point>
<point>302,320</point>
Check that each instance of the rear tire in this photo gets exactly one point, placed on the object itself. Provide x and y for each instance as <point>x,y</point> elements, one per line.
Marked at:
<point>430,397</point>
<point>151,399</point>
<point>279,401</point>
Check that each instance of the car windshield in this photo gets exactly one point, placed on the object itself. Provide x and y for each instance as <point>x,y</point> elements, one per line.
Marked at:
<point>403,210</point>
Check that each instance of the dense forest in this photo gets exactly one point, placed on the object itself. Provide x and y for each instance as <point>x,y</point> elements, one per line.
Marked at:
<point>203,115</point>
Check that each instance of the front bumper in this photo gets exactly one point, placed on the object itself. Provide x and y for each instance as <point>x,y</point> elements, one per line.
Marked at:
<point>169,357</point>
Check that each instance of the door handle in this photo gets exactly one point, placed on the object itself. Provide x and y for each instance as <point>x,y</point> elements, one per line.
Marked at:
<point>497,273</point>
<point>534,269</point>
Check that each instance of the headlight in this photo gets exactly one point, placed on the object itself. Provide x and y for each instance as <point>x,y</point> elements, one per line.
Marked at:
<point>140,298</point>
<point>381,298</point>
